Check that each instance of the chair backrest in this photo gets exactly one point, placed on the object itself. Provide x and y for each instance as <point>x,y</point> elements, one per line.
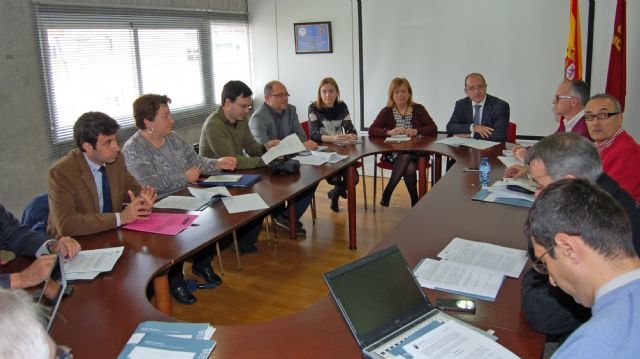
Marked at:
<point>36,213</point>
<point>305,127</point>
<point>511,132</point>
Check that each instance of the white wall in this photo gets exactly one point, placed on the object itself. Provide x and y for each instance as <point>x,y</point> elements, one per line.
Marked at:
<point>432,46</point>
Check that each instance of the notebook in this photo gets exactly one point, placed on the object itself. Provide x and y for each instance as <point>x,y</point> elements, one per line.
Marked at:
<point>53,291</point>
<point>382,303</point>
<point>246,181</point>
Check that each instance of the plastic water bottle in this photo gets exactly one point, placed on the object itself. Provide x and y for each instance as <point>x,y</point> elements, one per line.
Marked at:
<point>485,169</point>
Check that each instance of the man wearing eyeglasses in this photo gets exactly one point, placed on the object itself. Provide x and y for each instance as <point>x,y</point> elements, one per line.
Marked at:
<point>276,119</point>
<point>581,238</point>
<point>479,115</point>
<point>226,131</point>
<point>566,155</point>
<point>619,152</point>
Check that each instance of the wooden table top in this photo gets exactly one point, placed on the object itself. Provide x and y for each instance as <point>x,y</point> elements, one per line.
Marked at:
<point>98,318</point>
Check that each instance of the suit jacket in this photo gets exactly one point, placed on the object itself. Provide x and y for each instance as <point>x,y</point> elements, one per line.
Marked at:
<point>18,238</point>
<point>74,207</point>
<point>265,128</point>
<point>579,128</point>
<point>495,114</point>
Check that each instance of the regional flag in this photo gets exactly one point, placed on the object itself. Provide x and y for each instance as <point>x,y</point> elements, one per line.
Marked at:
<point>617,74</point>
<point>573,57</point>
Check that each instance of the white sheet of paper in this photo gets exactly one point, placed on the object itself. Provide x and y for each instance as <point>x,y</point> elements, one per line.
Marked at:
<point>452,276</point>
<point>509,261</point>
<point>453,340</point>
<point>499,189</point>
<point>330,157</point>
<point>397,138</point>
<point>454,141</point>
<point>223,178</point>
<point>509,161</point>
<point>480,144</point>
<point>205,194</point>
<point>146,353</point>
<point>288,145</point>
<point>469,142</point>
<point>311,160</point>
<point>82,276</point>
<point>185,203</point>
<point>94,260</point>
<point>244,203</point>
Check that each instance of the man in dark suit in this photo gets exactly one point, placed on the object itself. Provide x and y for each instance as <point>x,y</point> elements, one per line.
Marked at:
<point>479,115</point>
<point>89,185</point>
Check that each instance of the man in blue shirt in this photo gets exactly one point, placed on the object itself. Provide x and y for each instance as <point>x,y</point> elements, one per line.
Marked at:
<point>581,238</point>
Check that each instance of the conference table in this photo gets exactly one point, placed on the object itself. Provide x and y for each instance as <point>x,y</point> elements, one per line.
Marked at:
<point>99,317</point>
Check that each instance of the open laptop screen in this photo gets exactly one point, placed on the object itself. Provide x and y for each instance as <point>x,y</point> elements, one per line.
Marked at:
<point>377,295</point>
<point>53,291</point>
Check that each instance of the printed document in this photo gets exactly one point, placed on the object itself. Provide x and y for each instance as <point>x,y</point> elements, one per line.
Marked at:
<point>184,203</point>
<point>205,194</point>
<point>509,261</point>
<point>453,340</point>
<point>466,141</point>
<point>458,278</point>
<point>89,263</point>
<point>244,203</point>
<point>290,144</point>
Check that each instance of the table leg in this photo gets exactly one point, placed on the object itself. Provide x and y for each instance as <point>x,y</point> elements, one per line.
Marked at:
<point>163,297</point>
<point>351,204</point>
<point>436,168</point>
<point>293,221</point>
<point>422,176</point>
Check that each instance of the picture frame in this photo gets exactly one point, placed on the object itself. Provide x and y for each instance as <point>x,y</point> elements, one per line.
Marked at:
<point>313,37</point>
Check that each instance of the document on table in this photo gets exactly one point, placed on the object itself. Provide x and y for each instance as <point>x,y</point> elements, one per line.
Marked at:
<point>453,340</point>
<point>499,189</point>
<point>184,203</point>
<point>311,160</point>
<point>509,261</point>
<point>288,145</point>
<point>509,161</point>
<point>92,262</point>
<point>163,223</point>
<point>205,194</point>
<point>466,141</point>
<point>244,203</point>
<point>397,138</point>
<point>223,178</point>
<point>458,278</point>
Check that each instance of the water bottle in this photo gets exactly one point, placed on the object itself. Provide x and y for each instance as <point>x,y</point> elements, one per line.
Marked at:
<point>485,169</point>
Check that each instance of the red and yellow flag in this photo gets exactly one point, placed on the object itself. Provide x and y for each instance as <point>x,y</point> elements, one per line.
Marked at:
<point>573,58</point>
<point>617,74</point>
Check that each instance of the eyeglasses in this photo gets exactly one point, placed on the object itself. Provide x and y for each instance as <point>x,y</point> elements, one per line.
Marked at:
<point>244,106</point>
<point>539,265</point>
<point>563,97</point>
<point>283,94</point>
<point>477,87</point>
<point>599,115</point>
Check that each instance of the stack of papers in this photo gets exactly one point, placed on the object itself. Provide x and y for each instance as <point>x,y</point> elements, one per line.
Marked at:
<point>466,141</point>
<point>318,158</point>
<point>499,193</point>
<point>202,198</point>
<point>168,224</point>
<point>88,264</point>
<point>289,145</point>
<point>170,340</point>
<point>397,138</point>
<point>474,269</point>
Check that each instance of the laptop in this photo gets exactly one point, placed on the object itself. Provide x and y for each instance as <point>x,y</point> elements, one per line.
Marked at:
<point>53,291</point>
<point>382,303</point>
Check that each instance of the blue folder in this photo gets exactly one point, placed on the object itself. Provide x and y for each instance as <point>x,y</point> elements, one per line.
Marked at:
<point>246,181</point>
<point>484,193</point>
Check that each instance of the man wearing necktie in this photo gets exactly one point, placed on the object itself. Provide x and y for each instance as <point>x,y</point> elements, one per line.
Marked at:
<point>88,186</point>
<point>479,115</point>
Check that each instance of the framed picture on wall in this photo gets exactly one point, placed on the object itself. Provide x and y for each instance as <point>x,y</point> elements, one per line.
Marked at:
<point>313,37</point>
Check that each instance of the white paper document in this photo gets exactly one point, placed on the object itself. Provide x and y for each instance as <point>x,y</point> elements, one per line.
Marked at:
<point>499,189</point>
<point>94,260</point>
<point>146,353</point>
<point>185,203</point>
<point>509,261</point>
<point>244,203</point>
<point>453,340</point>
<point>509,161</point>
<point>288,145</point>
<point>330,157</point>
<point>311,160</point>
<point>466,141</point>
<point>458,278</point>
<point>223,178</point>
<point>205,194</point>
<point>397,138</point>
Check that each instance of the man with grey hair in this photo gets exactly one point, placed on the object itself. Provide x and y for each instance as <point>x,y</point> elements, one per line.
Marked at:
<point>566,155</point>
<point>23,335</point>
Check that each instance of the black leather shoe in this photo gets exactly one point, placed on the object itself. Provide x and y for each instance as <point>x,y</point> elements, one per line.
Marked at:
<point>183,295</point>
<point>334,204</point>
<point>208,274</point>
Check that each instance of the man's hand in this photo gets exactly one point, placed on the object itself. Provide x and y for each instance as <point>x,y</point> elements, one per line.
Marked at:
<point>519,152</point>
<point>66,246</point>
<point>310,145</point>
<point>226,163</point>
<point>34,274</point>
<point>193,174</point>
<point>272,143</point>
<point>148,194</point>
<point>516,171</point>
<point>139,208</point>
<point>483,131</point>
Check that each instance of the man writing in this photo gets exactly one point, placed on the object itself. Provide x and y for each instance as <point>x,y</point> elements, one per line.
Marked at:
<point>581,238</point>
<point>276,119</point>
<point>479,115</point>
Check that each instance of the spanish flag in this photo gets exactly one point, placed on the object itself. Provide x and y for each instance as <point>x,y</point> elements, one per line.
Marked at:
<point>617,74</point>
<point>573,58</point>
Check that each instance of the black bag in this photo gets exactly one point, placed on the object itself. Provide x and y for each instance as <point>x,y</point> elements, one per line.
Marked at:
<point>284,166</point>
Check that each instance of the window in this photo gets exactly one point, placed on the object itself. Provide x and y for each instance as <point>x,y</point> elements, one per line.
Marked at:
<point>102,59</point>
